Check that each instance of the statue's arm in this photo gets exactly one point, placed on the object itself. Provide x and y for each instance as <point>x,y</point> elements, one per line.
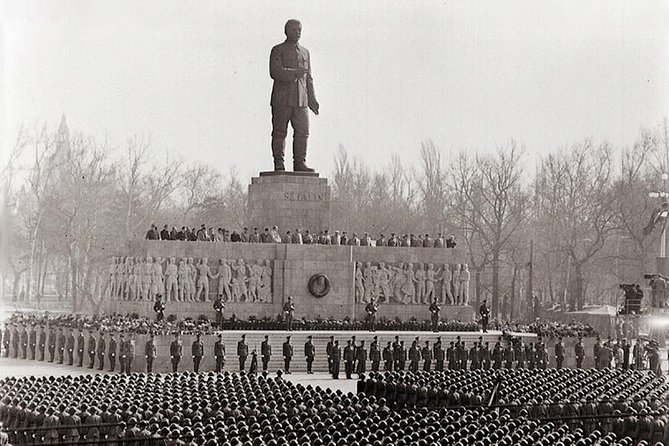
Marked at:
<point>278,72</point>
<point>311,93</point>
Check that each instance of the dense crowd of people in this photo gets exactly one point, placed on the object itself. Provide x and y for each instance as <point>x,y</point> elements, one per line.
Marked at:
<point>410,408</point>
<point>325,237</point>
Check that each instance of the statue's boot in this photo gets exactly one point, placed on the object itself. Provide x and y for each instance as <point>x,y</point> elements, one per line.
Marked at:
<point>277,153</point>
<point>300,155</point>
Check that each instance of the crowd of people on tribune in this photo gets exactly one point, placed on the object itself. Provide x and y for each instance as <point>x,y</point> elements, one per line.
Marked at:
<point>298,237</point>
<point>510,407</point>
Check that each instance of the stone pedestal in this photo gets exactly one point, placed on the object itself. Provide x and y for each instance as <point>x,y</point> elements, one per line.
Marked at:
<point>289,200</point>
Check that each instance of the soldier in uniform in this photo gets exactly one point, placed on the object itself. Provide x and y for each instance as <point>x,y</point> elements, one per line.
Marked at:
<point>265,353</point>
<point>81,348</point>
<point>626,354</point>
<point>374,354</point>
<point>559,353</point>
<point>497,356</point>
<point>484,311</point>
<point>462,356</point>
<point>176,351</point>
<point>197,351</point>
<point>289,312</point>
<point>150,353</point>
<point>387,357</point>
<point>349,359</point>
<point>219,354</point>
<point>361,358</point>
<point>111,352</point>
<point>70,347</point>
<point>53,340</point>
<point>434,315</point>
<point>401,362</point>
<point>396,353</point>
<point>219,308</point>
<point>32,341</point>
<point>309,354</point>
<point>596,349</point>
<point>485,356</point>
<point>474,356</point>
<point>101,347</point>
<point>122,346</point>
<point>242,352</point>
<point>336,359</point>
<point>329,353</point>
<point>414,357</point>
<point>371,310</point>
<point>15,340</point>
<point>41,343</point>
<point>129,353</point>
<point>6,340</point>
<point>24,342</point>
<point>427,357</point>
<point>62,344</point>
<point>439,355</point>
<point>91,349</point>
<point>287,354</point>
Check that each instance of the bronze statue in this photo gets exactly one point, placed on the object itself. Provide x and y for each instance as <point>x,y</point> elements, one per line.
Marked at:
<point>292,97</point>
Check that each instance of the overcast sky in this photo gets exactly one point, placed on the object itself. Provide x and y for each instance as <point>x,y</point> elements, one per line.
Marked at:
<point>193,76</point>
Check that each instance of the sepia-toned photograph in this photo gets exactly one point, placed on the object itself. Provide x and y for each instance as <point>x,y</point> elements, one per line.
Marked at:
<point>312,223</point>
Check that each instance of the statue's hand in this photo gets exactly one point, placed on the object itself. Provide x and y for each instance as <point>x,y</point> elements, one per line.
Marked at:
<point>314,106</point>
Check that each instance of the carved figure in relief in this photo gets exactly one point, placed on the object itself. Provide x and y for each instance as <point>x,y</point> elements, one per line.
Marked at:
<point>254,282</point>
<point>382,281</point>
<point>456,284</point>
<point>158,277</point>
<point>446,279</point>
<point>368,281</point>
<point>464,284</point>
<point>129,278</point>
<point>420,284</point>
<point>265,291</point>
<point>359,286</point>
<point>204,274</point>
<point>184,281</point>
<point>224,276</point>
<point>408,288</point>
<point>120,278</point>
<point>397,282</point>
<point>430,277</point>
<point>236,290</point>
<point>192,278</point>
<point>171,282</point>
<point>147,273</point>
<point>111,286</point>
<point>138,273</point>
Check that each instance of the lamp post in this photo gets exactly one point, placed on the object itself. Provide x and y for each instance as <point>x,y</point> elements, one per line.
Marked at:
<point>664,213</point>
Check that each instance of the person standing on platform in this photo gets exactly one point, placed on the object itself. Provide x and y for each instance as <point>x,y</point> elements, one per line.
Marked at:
<point>159,308</point>
<point>434,315</point>
<point>484,311</point>
<point>242,352</point>
<point>176,351</point>
<point>219,354</point>
<point>219,308</point>
<point>309,354</point>
<point>112,352</point>
<point>15,340</point>
<point>396,353</point>
<point>289,312</point>
<point>336,359</point>
<point>6,340</point>
<point>401,363</point>
<point>24,342</point>
<point>197,350</point>
<point>101,347</point>
<point>414,357</point>
<point>287,354</point>
<point>559,354</point>
<point>328,352</point>
<point>266,353</point>
<point>371,310</point>
<point>150,353</point>
<point>361,358</point>
<point>91,349</point>
<point>626,354</point>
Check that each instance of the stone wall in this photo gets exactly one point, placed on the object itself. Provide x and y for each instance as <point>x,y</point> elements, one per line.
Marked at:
<point>292,267</point>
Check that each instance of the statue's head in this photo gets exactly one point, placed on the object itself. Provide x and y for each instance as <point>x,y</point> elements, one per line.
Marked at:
<point>293,30</point>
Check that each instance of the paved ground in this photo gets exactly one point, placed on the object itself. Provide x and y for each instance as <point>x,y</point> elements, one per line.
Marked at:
<point>22,367</point>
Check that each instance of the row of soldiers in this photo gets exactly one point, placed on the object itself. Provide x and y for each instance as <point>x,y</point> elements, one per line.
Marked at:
<point>457,356</point>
